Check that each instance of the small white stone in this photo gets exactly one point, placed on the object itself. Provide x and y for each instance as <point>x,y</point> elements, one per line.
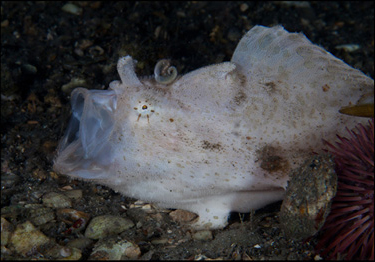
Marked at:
<point>348,47</point>
<point>244,7</point>
<point>72,9</point>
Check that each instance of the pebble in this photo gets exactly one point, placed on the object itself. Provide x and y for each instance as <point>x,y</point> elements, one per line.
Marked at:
<point>75,82</point>
<point>72,9</point>
<point>74,194</point>
<point>9,180</point>
<point>307,202</point>
<point>244,7</point>
<point>115,249</point>
<point>56,200</point>
<point>233,35</point>
<point>70,253</point>
<point>103,226</point>
<point>5,23</point>
<point>148,208</point>
<point>96,51</point>
<point>182,216</point>
<point>348,47</point>
<point>29,69</point>
<point>6,231</point>
<point>11,212</point>
<point>40,216</point>
<point>61,253</point>
<point>294,4</point>
<point>80,243</point>
<point>159,241</point>
<point>27,238</point>
<point>204,235</point>
<point>181,14</point>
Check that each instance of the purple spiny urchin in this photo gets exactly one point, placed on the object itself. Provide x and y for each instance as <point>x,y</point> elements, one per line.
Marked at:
<point>349,229</point>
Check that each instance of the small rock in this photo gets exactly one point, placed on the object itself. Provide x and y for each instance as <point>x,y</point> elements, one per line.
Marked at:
<point>159,241</point>
<point>41,216</point>
<point>75,82</point>
<point>233,34</point>
<point>26,239</point>
<point>70,253</point>
<point>72,9</point>
<point>74,194</point>
<point>56,200</point>
<point>80,243</point>
<point>204,235</point>
<point>59,252</point>
<point>29,69</point>
<point>148,208</point>
<point>11,211</point>
<point>115,249</point>
<point>182,216</point>
<point>307,202</point>
<point>294,4</point>
<point>6,231</point>
<point>348,47</point>
<point>9,180</point>
<point>107,225</point>
<point>5,23</point>
<point>181,14</point>
<point>244,7</point>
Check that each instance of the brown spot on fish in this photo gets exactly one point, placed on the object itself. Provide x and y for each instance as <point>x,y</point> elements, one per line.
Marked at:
<point>270,87</point>
<point>240,97</point>
<point>270,159</point>
<point>211,146</point>
<point>325,88</point>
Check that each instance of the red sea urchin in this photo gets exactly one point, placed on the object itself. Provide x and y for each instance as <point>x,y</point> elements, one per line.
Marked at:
<point>349,229</point>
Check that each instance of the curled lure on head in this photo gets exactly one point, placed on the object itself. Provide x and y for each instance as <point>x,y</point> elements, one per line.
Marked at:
<point>164,72</point>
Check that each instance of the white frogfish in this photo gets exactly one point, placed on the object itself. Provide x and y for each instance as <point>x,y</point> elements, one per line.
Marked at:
<point>219,139</point>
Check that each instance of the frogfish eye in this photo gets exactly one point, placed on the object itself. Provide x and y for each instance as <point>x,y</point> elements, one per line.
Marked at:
<point>144,109</point>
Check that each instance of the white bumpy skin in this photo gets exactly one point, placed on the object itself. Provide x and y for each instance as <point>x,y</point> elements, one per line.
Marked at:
<point>221,138</point>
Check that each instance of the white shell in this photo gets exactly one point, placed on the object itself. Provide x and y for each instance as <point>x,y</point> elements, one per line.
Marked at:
<point>221,138</point>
